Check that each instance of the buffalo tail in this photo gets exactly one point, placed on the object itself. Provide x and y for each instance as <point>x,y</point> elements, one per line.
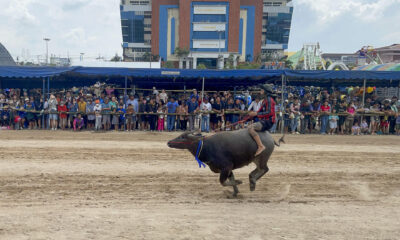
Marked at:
<point>281,140</point>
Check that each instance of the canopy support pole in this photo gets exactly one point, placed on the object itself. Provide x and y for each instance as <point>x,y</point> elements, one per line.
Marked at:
<point>184,89</point>
<point>202,101</point>
<point>125,89</point>
<point>202,92</point>
<point>125,98</point>
<point>282,107</point>
<point>48,93</point>
<point>44,100</point>
<point>363,98</point>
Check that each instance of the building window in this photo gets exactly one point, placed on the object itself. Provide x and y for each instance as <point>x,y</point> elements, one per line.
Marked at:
<point>209,18</point>
<point>277,28</point>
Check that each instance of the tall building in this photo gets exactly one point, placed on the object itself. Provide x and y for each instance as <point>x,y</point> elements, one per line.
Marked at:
<point>210,31</point>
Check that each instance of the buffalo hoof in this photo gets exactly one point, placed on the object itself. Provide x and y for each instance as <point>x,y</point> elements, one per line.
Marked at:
<point>231,195</point>
<point>238,182</point>
<point>252,186</point>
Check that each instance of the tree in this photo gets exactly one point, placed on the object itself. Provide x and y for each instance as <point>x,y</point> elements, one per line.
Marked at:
<point>181,52</point>
<point>248,65</point>
<point>116,58</point>
<point>201,66</point>
<point>169,64</point>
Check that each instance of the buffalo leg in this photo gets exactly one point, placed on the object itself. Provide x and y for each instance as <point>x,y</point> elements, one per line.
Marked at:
<point>225,174</point>
<point>260,171</point>
<point>234,184</point>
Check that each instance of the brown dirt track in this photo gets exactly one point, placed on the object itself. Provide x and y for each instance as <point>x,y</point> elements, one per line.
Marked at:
<point>63,185</point>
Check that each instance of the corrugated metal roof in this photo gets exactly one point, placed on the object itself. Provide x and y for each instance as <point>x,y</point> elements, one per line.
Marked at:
<point>5,57</point>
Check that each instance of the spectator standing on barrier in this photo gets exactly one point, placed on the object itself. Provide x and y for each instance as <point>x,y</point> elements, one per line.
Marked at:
<point>152,108</point>
<point>82,107</point>
<point>30,116</point>
<point>98,112</point>
<point>392,118</point>
<point>161,120</point>
<point>115,116</point>
<point>62,109</point>
<point>205,118</point>
<point>341,110</point>
<point>325,111</point>
<point>142,118</point>
<point>333,121</point>
<point>129,118</point>
<point>398,124</point>
<point>121,118</point>
<point>294,115</point>
<point>306,111</point>
<point>172,105</point>
<point>183,115</point>
<point>53,116</point>
<point>375,120</point>
<point>73,109</point>
<point>135,117</point>
<point>385,124</point>
<point>229,108</point>
<point>106,111</point>
<point>193,107</point>
<point>163,96</point>
<point>38,103</point>
<point>91,117</point>
<point>351,111</point>
<point>216,118</point>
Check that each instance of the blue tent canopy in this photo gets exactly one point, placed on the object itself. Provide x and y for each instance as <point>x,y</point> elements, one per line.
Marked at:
<point>31,72</point>
<point>227,75</point>
<point>180,73</point>
<point>343,75</point>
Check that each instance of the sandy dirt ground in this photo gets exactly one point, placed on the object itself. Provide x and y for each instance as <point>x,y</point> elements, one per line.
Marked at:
<point>64,185</point>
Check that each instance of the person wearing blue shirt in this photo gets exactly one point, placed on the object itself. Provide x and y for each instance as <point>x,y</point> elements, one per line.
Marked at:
<point>172,106</point>
<point>193,107</point>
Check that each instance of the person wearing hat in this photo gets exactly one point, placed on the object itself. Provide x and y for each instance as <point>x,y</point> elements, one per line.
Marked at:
<point>266,115</point>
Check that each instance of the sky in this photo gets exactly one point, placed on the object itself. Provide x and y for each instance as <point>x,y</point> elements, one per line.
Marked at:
<point>93,26</point>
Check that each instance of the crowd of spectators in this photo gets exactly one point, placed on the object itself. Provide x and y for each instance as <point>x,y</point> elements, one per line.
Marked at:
<point>101,107</point>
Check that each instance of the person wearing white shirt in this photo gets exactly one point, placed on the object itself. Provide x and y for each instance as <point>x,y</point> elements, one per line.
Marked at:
<point>205,119</point>
<point>255,105</point>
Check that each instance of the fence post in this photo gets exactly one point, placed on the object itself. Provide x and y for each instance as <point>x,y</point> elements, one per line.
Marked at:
<point>282,105</point>
<point>48,93</point>
<point>44,100</point>
<point>363,98</point>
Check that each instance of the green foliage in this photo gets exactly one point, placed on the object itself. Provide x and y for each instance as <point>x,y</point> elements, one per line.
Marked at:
<point>201,66</point>
<point>181,52</point>
<point>248,65</point>
<point>169,64</point>
<point>116,58</point>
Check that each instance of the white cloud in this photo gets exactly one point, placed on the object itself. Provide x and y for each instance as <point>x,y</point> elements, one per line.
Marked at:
<point>74,26</point>
<point>365,10</point>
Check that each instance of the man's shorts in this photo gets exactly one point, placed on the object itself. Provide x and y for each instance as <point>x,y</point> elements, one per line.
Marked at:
<point>398,126</point>
<point>53,116</point>
<point>106,119</point>
<point>263,125</point>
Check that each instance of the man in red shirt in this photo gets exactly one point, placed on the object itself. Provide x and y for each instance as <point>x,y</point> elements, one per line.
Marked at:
<point>266,114</point>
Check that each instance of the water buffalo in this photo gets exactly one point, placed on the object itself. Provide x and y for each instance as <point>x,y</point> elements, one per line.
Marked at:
<point>227,151</point>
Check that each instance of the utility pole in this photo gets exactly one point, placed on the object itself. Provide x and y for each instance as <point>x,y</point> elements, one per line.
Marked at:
<point>47,40</point>
<point>81,58</point>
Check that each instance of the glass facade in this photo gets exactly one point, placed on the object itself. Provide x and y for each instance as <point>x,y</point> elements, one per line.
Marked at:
<point>133,27</point>
<point>277,28</point>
